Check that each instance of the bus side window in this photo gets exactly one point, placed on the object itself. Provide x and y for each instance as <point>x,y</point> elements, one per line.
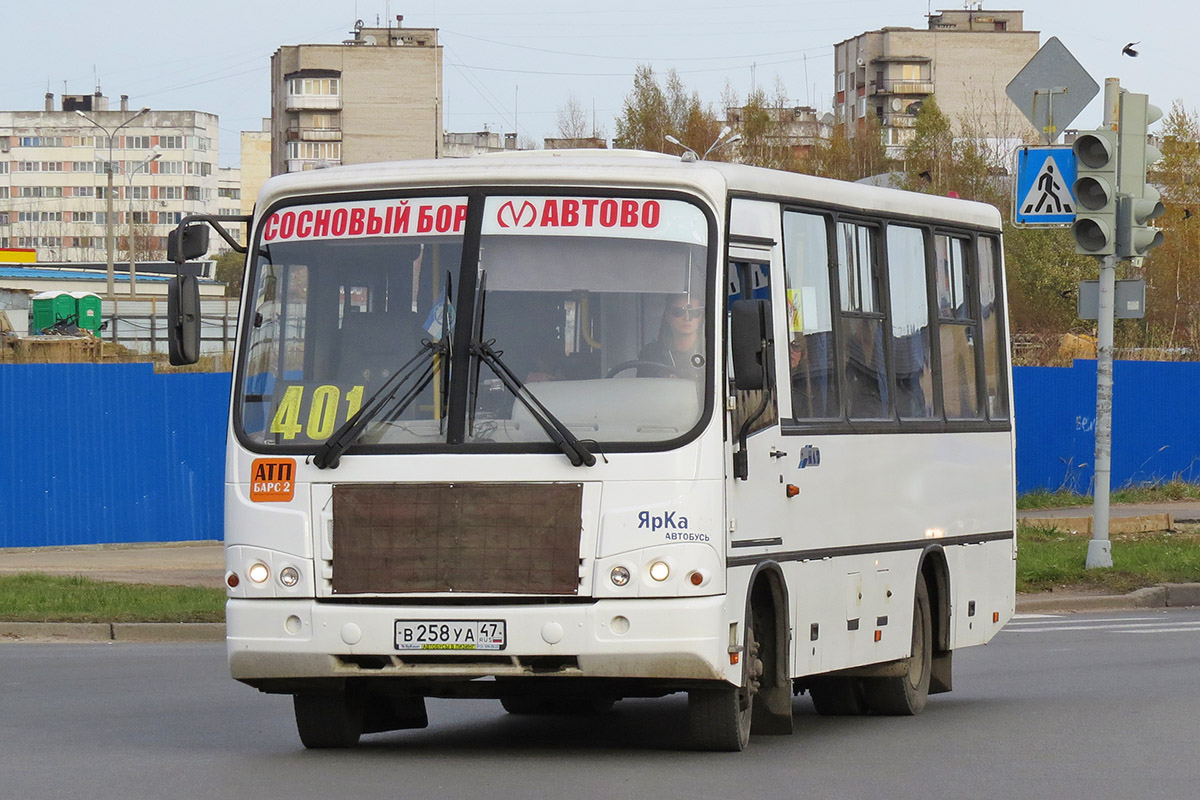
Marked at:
<point>990,317</point>
<point>811,360</point>
<point>863,355</point>
<point>956,328</point>
<point>911,326</point>
<point>750,280</point>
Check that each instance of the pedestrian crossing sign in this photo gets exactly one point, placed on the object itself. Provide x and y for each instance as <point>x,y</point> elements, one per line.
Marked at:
<point>1042,193</point>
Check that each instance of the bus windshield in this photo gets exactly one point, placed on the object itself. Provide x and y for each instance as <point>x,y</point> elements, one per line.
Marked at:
<point>595,308</point>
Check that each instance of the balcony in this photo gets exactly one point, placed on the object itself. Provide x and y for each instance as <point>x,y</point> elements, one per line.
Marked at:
<point>319,102</point>
<point>305,164</point>
<point>296,133</point>
<point>905,87</point>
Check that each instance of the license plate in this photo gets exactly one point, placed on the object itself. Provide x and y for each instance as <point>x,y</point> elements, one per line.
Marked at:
<point>458,634</point>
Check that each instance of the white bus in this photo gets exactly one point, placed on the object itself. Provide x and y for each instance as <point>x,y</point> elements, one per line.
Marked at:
<point>564,428</point>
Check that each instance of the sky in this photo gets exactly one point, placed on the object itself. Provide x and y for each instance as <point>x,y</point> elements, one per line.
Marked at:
<point>515,63</point>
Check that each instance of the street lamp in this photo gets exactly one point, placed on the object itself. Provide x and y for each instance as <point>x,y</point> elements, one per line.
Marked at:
<point>129,173</point>
<point>108,224</point>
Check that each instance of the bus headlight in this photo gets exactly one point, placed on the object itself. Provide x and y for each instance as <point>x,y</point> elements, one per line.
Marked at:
<point>619,576</point>
<point>659,571</point>
<point>258,572</point>
<point>289,576</point>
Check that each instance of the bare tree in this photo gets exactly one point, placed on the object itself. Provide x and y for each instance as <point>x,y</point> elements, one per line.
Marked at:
<point>572,121</point>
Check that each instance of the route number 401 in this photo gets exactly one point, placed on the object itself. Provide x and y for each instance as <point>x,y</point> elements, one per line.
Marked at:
<point>322,406</point>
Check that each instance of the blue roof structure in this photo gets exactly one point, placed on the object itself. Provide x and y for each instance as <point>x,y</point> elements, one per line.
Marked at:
<point>72,275</point>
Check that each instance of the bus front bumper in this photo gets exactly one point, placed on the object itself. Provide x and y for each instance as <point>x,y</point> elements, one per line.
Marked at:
<point>664,639</point>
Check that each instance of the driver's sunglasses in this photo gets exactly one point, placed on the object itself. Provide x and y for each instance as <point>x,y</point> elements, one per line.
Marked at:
<point>688,313</point>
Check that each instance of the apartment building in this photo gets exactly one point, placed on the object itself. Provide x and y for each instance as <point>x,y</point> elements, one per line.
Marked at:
<point>797,128</point>
<point>475,143</point>
<point>54,177</point>
<point>256,164</point>
<point>375,97</point>
<point>965,58</point>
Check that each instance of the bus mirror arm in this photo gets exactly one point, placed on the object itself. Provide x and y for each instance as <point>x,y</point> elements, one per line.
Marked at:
<point>751,344</point>
<point>741,466</point>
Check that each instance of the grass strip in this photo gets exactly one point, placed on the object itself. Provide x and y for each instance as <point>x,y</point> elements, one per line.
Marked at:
<point>33,597</point>
<point>1155,493</point>
<point>1050,558</point>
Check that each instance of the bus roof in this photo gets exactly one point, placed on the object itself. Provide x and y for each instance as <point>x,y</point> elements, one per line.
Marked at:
<point>625,169</point>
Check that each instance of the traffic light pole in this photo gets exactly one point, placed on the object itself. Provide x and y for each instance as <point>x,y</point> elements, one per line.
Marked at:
<point>1099,552</point>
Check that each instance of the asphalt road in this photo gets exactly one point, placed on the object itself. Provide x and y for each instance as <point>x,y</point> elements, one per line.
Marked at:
<point>1079,706</point>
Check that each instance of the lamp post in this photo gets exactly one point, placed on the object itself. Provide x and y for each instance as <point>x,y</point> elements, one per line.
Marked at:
<point>108,203</point>
<point>129,174</point>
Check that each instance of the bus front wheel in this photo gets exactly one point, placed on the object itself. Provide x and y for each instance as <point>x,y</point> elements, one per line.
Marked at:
<point>333,720</point>
<point>719,719</point>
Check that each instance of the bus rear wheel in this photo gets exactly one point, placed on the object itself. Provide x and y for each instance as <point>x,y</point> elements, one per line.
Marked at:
<point>906,694</point>
<point>324,721</point>
<point>719,719</point>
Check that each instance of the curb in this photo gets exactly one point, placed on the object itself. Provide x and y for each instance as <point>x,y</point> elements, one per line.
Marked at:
<point>1145,523</point>
<point>1164,595</point>
<point>82,632</point>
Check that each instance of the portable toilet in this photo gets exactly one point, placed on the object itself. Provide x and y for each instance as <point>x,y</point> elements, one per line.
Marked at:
<point>87,305</point>
<point>48,308</point>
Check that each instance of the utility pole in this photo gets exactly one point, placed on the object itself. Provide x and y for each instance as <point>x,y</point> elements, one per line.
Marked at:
<point>108,197</point>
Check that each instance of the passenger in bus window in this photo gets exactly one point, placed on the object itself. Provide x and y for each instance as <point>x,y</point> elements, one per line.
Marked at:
<point>680,343</point>
<point>813,393</point>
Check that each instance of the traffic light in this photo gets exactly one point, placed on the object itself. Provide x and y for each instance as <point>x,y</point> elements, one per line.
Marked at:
<point>1140,203</point>
<point>1135,236</point>
<point>1095,192</point>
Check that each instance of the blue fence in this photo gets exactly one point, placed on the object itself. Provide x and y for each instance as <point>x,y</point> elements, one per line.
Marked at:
<point>1156,427</point>
<point>99,453</point>
<point>116,453</point>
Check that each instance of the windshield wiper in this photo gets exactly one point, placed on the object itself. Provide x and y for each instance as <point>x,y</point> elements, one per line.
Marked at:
<point>558,432</point>
<point>486,353</point>
<point>329,454</point>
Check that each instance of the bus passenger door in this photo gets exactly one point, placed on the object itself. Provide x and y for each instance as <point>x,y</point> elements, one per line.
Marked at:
<point>757,503</point>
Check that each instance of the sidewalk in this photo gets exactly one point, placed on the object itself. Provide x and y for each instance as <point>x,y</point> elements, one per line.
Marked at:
<point>169,564</point>
<point>1127,518</point>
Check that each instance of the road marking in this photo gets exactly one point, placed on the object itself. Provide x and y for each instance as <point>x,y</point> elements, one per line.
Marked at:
<point>1052,618</point>
<point>1158,626</point>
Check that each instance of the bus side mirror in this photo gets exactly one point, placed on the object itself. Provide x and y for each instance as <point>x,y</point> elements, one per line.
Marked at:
<point>187,242</point>
<point>183,320</point>
<point>749,340</point>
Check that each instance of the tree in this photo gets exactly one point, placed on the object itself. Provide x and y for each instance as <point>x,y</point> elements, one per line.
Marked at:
<point>849,158</point>
<point>574,122</point>
<point>1171,271</point>
<point>1043,276</point>
<point>929,156</point>
<point>651,112</point>
<point>765,142</point>
<point>645,119</point>
<point>230,267</point>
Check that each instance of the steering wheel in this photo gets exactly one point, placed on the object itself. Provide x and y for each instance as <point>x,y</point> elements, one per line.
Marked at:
<point>658,370</point>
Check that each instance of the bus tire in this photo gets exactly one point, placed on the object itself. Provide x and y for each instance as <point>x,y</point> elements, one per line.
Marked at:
<point>324,721</point>
<point>906,695</point>
<point>719,719</point>
<point>838,697</point>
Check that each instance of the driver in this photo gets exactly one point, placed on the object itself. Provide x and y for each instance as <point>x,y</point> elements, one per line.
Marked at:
<point>680,343</point>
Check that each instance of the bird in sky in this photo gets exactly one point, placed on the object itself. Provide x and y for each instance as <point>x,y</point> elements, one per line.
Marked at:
<point>1128,50</point>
